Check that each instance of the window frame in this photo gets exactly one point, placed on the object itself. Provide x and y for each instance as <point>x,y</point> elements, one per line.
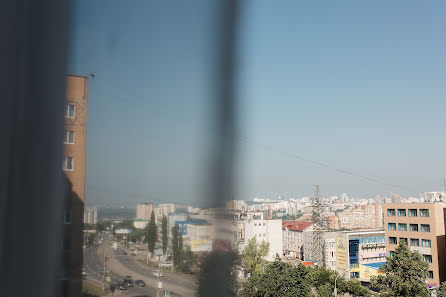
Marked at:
<point>424,258</point>
<point>400,210</point>
<point>389,212</point>
<point>66,137</point>
<point>426,241</point>
<point>412,240</point>
<point>388,226</point>
<point>421,212</point>
<point>400,225</point>
<point>67,111</point>
<point>65,163</point>
<point>67,218</point>
<point>425,225</point>
<point>391,239</point>
<point>413,225</point>
<point>412,209</point>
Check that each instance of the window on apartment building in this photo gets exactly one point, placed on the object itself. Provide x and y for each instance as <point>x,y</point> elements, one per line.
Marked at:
<point>425,228</point>
<point>402,227</point>
<point>403,239</point>
<point>401,212</point>
<point>392,240</point>
<point>391,212</point>
<point>413,213</point>
<point>70,111</point>
<point>413,227</point>
<point>391,226</point>
<point>65,273</point>
<point>68,163</point>
<point>68,137</point>
<point>427,258</point>
<point>67,217</point>
<point>414,242</point>
<point>424,213</point>
<point>391,254</point>
<point>67,245</point>
<point>430,274</point>
<point>426,243</point>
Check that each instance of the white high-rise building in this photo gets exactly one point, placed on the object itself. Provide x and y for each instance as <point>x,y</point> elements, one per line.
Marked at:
<point>263,230</point>
<point>90,215</point>
<point>144,210</point>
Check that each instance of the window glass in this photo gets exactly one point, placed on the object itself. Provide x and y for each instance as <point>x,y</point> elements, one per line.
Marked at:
<point>424,212</point>
<point>402,227</point>
<point>401,212</point>
<point>425,243</point>
<point>414,242</point>
<point>413,227</point>
<point>391,226</point>
<point>412,212</point>
<point>425,228</point>
<point>391,212</point>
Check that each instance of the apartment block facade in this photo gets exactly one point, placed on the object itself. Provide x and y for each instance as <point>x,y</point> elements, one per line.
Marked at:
<point>422,227</point>
<point>75,133</point>
<point>144,210</point>
<point>292,236</point>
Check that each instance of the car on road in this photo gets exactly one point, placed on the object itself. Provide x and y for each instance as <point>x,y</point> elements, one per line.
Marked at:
<point>158,273</point>
<point>140,283</point>
<point>124,253</point>
<point>128,282</point>
<point>166,264</point>
<point>122,286</point>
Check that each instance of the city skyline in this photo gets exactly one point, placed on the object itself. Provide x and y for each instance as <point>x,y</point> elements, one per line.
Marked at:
<point>357,90</point>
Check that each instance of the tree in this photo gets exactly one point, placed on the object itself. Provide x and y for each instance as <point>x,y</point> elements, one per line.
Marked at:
<point>441,291</point>
<point>152,233</point>
<point>164,236</point>
<point>404,274</point>
<point>217,274</point>
<point>175,239</point>
<point>279,279</point>
<point>323,280</point>
<point>180,252</point>
<point>252,255</point>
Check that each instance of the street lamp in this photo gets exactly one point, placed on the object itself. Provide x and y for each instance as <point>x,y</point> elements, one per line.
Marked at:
<point>335,288</point>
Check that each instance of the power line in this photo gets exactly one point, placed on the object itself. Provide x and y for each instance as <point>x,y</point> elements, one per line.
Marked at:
<point>340,170</point>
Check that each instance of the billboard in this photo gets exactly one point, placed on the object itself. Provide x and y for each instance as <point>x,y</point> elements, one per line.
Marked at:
<point>201,245</point>
<point>341,253</point>
<point>123,231</point>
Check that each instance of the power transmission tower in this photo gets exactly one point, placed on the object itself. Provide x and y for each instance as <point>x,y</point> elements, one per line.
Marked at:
<point>319,226</point>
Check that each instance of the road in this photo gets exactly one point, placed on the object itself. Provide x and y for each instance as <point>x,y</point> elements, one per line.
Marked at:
<point>118,266</point>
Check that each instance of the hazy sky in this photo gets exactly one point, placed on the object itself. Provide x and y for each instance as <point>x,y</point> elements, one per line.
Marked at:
<point>358,86</point>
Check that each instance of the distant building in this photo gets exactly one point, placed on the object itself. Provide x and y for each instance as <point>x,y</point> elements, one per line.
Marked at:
<point>263,230</point>
<point>355,254</point>
<point>422,227</point>
<point>368,216</point>
<point>91,215</point>
<point>140,223</point>
<point>292,237</point>
<point>144,210</point>
<point>200,237</point>
<point>183,225</point>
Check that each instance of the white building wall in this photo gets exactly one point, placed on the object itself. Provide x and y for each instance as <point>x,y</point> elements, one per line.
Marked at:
<point>264,230</point>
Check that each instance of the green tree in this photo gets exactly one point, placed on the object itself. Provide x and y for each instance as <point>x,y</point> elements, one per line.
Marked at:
<point>175,248</point>
<point>279,279</point>
<point>404,274</point>
<point>217,274</point>
<point>164,236</point>
<point>441,291</point>
<point>323,280</point>
<point>180,252</point>
<point>152,233</point>
<point>252,255</point>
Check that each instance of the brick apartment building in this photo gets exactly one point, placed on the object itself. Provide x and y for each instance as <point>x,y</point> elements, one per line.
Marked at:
<point>422,226</point>
<point>75,132</point>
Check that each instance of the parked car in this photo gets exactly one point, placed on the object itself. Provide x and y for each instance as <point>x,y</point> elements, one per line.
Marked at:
<point>140,283</point>
<point>166,264</point>
<point>158,273</point>
<point>128,282</point>
<point>122,286</point>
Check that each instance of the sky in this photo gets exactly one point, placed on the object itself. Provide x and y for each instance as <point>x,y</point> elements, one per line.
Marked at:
<point>348,95</point>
